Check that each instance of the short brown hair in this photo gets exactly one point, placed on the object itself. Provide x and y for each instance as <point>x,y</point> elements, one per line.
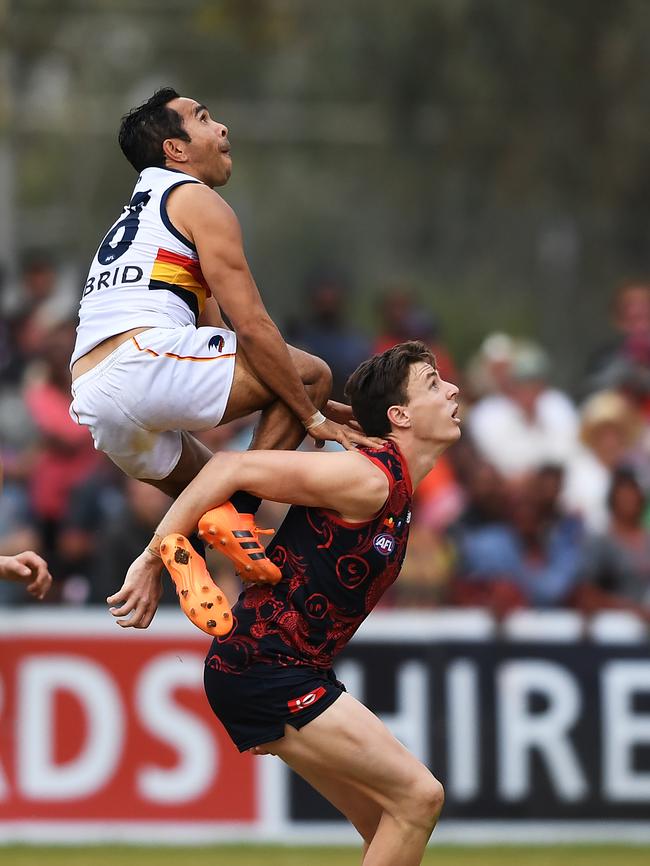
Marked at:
<point>381,382</point>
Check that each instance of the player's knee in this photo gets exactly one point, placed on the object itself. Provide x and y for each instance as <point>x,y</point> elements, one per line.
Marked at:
<point>314,371</point>
<point>322,380</point>
<point>436,798</point>
<point>427,799</point>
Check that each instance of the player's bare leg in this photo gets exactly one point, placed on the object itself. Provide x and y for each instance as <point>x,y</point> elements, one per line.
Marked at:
<point>138,597</point>
<point>360,810</point>
<point>348,744</point>
<point>278,427</point>
<point>230,527</point>
<point>194,456</point>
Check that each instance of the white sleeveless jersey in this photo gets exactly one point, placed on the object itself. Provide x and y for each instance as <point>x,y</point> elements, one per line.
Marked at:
<point>145,273</point>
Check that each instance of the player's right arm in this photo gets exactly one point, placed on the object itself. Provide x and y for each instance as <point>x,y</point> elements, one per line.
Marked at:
<point>211,224</point>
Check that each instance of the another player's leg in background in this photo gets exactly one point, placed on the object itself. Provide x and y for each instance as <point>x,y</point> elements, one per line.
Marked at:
<point>352,758</point>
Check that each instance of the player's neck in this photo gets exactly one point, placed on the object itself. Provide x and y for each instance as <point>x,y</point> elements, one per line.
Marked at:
<point>186,169</point>
<point>419,456</point>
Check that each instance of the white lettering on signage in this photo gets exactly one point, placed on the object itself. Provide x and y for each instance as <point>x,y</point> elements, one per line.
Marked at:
<point>178,727</point>
<point>624,730</point>
<point>39,680</point>
<point>462,730</point>
<point>520,732</point>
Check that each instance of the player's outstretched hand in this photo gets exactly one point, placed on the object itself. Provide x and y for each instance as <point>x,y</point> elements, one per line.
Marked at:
<point>28,568</point>
<point>330,431</point>
<point>135,604</point>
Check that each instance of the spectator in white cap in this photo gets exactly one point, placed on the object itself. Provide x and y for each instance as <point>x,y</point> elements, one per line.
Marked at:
<point>528,423</point>
<point>610,430</point>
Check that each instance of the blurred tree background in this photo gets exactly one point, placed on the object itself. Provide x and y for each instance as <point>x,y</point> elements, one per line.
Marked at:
<point>492,154</point>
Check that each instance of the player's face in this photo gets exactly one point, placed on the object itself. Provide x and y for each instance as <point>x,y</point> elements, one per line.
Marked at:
<point>432,405</point>
<point>209,149</point>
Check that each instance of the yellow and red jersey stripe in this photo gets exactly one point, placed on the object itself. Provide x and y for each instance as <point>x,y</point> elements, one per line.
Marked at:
<point>181,275</point>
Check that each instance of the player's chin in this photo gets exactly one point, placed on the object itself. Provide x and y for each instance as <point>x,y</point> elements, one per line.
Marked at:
<point>226,170</point>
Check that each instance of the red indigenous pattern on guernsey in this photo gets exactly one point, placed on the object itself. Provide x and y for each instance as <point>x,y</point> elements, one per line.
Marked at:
<point>333,574</point>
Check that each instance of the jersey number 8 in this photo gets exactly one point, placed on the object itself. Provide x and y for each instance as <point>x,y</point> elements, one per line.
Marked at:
<point>109,251</point>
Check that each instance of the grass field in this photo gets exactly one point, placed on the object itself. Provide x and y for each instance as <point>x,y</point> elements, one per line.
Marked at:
<point>237,855</point>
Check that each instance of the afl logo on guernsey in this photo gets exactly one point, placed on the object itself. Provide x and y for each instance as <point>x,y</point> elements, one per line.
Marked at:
<point>384,543</point>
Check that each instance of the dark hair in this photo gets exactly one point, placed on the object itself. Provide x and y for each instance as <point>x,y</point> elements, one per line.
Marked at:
<point>144,129</point>
<point>381,382</point>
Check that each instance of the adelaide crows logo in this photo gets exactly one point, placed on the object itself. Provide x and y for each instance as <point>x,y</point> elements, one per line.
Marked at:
<point>216,342</point>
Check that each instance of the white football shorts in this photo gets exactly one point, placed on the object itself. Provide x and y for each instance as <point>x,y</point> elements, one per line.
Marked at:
<point>139,398</point>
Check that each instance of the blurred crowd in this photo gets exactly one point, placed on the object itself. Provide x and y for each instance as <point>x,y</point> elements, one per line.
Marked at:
<point>544,503</point>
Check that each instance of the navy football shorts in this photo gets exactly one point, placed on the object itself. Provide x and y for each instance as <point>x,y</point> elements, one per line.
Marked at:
<point>255,704</point>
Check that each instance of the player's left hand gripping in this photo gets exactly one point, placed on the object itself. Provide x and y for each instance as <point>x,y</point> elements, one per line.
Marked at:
<point>346,436</point>
<point>135,604</point>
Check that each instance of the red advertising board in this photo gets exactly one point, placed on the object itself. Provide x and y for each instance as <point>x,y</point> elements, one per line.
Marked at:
<point>543,734</point>
<point>105,724</point>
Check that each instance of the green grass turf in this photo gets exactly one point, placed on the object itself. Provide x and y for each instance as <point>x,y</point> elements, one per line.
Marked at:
<point>268,855</point>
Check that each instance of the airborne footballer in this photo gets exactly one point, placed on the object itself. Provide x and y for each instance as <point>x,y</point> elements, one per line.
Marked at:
<point>155,359</point>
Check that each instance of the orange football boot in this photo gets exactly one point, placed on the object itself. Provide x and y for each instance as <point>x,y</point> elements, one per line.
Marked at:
<point>201,600</point>
<point>236,536</point>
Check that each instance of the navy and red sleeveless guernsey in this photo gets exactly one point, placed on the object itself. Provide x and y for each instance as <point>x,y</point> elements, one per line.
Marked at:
<point>333,574</point>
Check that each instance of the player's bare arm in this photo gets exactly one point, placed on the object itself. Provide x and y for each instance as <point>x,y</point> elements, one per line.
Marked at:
<point>203,216</point>
<point>345,482</point>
